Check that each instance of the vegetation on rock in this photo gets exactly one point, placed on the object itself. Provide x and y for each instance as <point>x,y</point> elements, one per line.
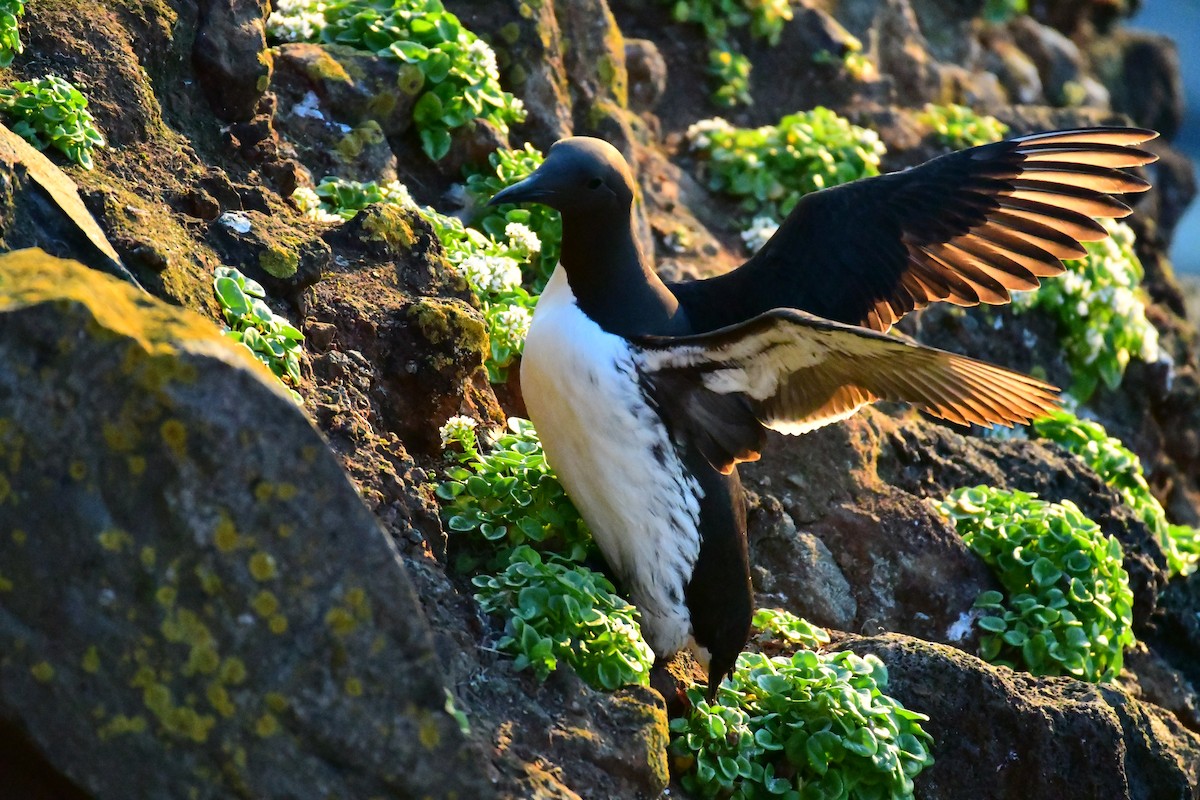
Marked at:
<point>502,504</point>
<point>959,127</point>
<point>1101,317</point>
<point>271,338</point>
<point>729,67</point>
<point>810,725</point>
<point>450,70</point>
<point>1066,606</point>
<point>50,112</point>
<point>770,168</point>
<point>10,32</point>
<point>1121,469</point>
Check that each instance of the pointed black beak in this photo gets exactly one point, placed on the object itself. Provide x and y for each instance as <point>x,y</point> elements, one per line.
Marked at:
<point>532,189</point>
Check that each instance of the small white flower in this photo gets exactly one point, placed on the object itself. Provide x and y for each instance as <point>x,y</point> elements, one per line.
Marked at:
<point>457,428</point>
<point>397,192</point>
<point>1081,308</point>
<point>760,230</point>
<point>1149,349</point>
<point>491,274</point>
<point>483,57</point>
<point>700,133</point>
<point>1094,340</point>
<point>309,202</point>
<point>513,322</point>
<point>523,238</point>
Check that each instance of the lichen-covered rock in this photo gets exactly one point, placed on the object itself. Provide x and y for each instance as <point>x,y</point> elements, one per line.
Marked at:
<point>999,733</point>
<point>193,600</point>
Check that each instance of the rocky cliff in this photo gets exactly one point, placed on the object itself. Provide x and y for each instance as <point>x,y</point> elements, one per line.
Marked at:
<point>207,591</point>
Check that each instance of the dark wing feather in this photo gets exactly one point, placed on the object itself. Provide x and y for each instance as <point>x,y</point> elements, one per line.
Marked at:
<point>793,372</point>
<point>967,227</point>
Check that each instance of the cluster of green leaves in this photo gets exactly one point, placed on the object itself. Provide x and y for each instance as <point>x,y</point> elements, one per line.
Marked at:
<point>813,725</point>
<point>450,70</point>
<point>10,32</point>
<point>507,497</point>
<point>772,167</point>
<point>1101,318</point>
<point>555,609</point>
<point>509,514</point>
<point>50,112</point>
<point>959,127</point>
<point>1069,608</point>
<point>345,198</point>
<point>506,168</point>
<point>726,63</point>
<point>1121,469</point>
<point>774,624</point>
<point>270,337</point>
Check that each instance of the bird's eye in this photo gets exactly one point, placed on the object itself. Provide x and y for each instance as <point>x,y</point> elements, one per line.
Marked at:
<point>594,183</point>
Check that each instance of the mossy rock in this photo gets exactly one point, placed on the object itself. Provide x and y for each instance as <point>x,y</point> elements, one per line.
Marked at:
<point>197,602</point>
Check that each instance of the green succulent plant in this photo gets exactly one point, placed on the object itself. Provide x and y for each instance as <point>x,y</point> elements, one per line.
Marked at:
<point>809,725</point>
<point>555,610</point>
<point>1100,314</point>
<point>10,32</point>
<point>50,112</point>
<point>958,127</point>
<point>770,168</point>
<point>507,497</point>
<point>1066,608</point>
<point>252,323</point>
<point>450,71</point>
<point>1121,469</point>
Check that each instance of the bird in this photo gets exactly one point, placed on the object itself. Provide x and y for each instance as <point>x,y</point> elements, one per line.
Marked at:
<point>647,395</point>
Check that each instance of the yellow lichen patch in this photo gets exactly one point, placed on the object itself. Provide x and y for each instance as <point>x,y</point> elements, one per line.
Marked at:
<point>179,720</point>
<point>233,671</point>
<point>427,731</point>
<point>267,725</point>
<point>77,469</point>
<point>121,438</point>
<point>278,624</point>
<point>265,603</point>
<point>148,557</point>
<point>114,539</point>
<point>388,224</point>
<point>5,584</point>
<point>279,263</point>
<point>5,489</point>
<point>226,536</point>
<point>340,621</point>
<point>353,687</point>
<point>165,596</point>
<point>264,491</point>
<point>262,566</point>
<point>42,672</point>
<point>285,530</point>
<point>29,277</point>
<point>218,698</point>
<point>286,491</point>
<point>136,465</point>
<point>174,435</point>
<point>20,537</point>
<point>121,724</point>
<point>91,660</point>
<point>209,581</point>
<point>276,702</point>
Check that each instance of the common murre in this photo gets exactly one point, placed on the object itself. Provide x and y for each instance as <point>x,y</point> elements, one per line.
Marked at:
<point>646,395</point>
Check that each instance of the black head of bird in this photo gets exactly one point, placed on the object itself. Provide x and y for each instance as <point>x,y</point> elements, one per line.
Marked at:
<point>647,395</point>
<point>581,176</point>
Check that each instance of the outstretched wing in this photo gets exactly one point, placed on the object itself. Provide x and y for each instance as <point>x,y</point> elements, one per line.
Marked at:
<point>793,372</point>
<point>967,227</point>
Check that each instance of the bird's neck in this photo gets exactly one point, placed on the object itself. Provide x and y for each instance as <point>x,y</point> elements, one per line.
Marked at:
<point>613,282</point>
